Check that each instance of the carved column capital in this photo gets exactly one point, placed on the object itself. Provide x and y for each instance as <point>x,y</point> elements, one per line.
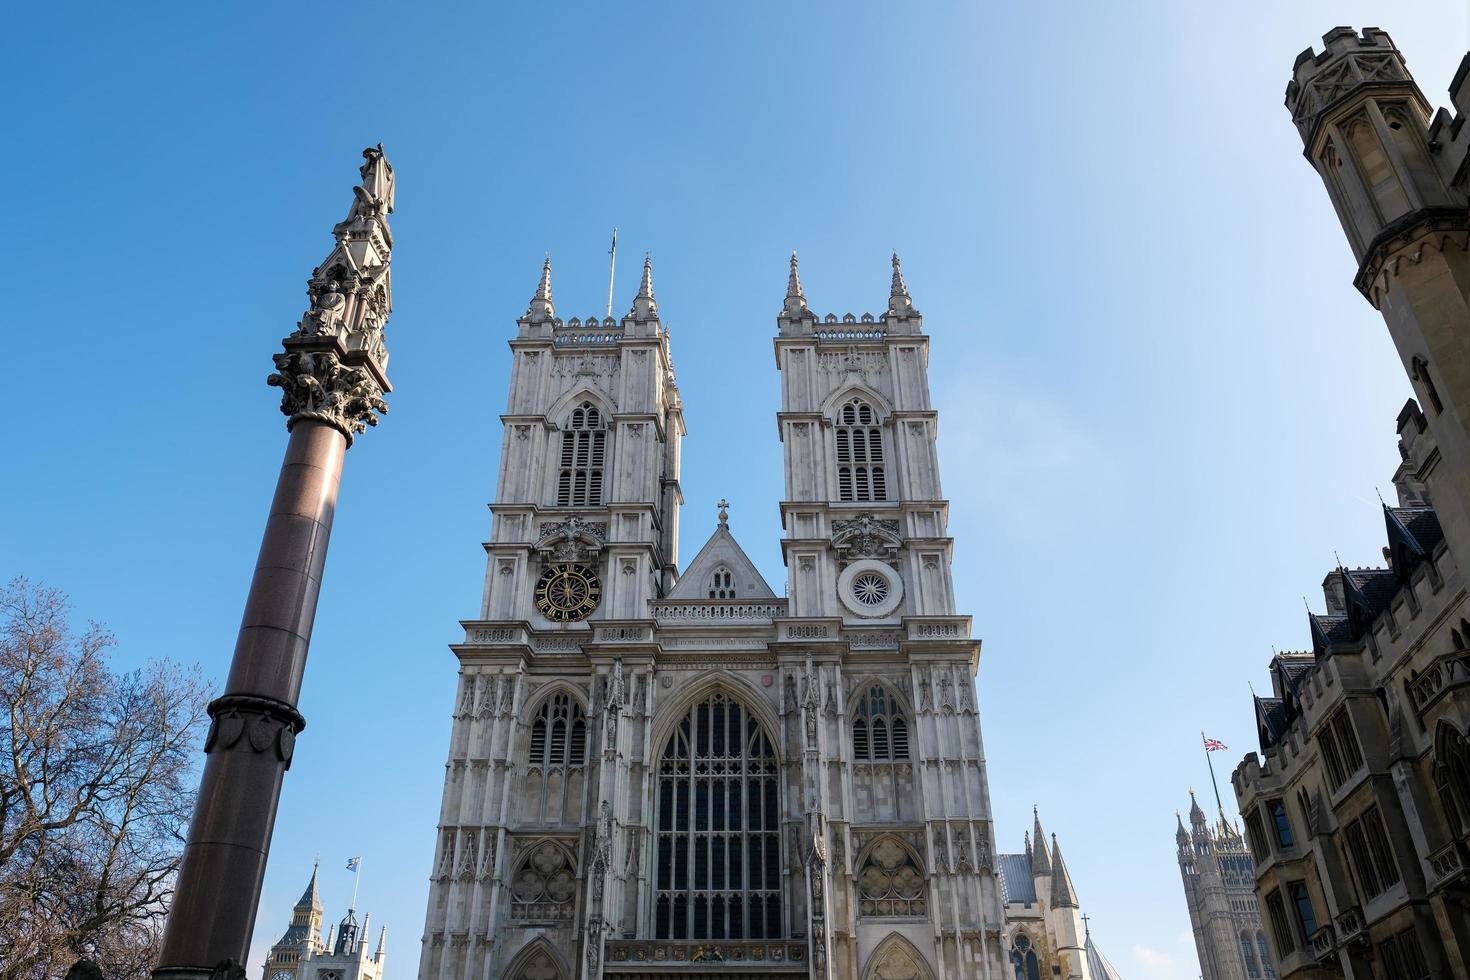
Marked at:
<point>324,383</point>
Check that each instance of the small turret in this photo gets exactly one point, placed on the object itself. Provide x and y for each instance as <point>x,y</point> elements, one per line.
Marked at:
<point>382,952</point>
<point>1181,836</point>
<point>795,316</point>
<point>346,934</point>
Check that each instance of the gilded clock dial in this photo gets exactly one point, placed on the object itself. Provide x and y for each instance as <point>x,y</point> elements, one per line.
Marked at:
<point>567,592</point>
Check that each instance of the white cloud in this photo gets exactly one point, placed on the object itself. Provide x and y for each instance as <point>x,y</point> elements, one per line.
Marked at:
<point>1153,962</point>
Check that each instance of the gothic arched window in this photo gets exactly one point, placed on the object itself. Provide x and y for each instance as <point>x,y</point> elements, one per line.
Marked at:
<point>1265,954</point>
<point>722,584</point>
<point>890,882</point>
<point>1023,958</point>
<point>880,733</point>
<point>1452,777</point>
<point>859,435</point>
<point>717,872</point>
<point>559,734</point>
<point>583,453</point>
<point>1248,956</point>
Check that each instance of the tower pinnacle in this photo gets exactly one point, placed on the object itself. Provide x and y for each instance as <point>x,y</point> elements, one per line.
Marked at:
<point>542,307</point>
<point>795,296</point>
<point>1040,859</point>
<point>645,307</point>
<point>899,301</point>
<point>1063,895</point>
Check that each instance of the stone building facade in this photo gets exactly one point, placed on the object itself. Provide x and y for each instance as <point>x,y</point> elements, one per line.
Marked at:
<point>1046,933</point>
<point>1358,805</point>
<point>658,771</point>
<point>1220,890</point>
<point>302,954</point>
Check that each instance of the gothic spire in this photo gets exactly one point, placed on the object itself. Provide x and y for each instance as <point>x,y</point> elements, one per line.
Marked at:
<point>1063,895</point>
<point>899,301</point>
<point>1196,815</point>
<point>644,305</point>
<point>1181,836</point>
<point>382,945</point>
<point>795,297</point>
<point>542,307</point>
<point>311,898</point>
<point>1040,859</point>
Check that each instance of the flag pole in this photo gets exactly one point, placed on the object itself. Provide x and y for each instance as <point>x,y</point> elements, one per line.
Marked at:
<point>356,880</point>
<point>612,264</point>
<point>1209,762</point>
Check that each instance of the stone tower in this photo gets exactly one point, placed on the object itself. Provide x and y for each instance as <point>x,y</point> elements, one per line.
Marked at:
<point>1219,887</point>
<point>1399,182</point>
<point>660,770</point>
<point>302,938</point>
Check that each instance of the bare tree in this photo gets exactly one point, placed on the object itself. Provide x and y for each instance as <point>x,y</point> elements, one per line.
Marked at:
<point>96,789</point>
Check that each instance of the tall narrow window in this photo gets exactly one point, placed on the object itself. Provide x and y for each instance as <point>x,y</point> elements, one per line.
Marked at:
<point>1282,822</point>
<point>559,734</point>
<point>880,733</point>
<point>1248,954</point>
<point>583,453</point>
<point>860,473</point>
<point>717,872</point>
<point>1370,854</point>
<point>1305,917</point>
<point>1265,954</point>
<point>1280,927</point>
<point>722,584</point>
<point>1023,959</point>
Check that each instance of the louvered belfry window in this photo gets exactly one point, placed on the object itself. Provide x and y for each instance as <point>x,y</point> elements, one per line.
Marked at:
<point>860,453</point>
<point>559,734</point>
<point>880,733</point>
<point>583,452</point>
<point>717,873</point>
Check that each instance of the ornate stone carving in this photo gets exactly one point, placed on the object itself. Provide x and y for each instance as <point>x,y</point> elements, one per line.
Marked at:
<point>866,536</point>
<point>317,385</point>
<point>891,882</point>
<point>573,539</point>
<point>544,887</point>
<point>334,367</point>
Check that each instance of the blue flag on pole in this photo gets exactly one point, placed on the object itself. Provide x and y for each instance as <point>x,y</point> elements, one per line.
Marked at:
<point>352,863</point>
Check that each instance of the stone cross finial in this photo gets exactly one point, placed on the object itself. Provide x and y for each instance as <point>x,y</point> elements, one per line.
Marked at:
<point>645,307</point>
<point>724,506</point>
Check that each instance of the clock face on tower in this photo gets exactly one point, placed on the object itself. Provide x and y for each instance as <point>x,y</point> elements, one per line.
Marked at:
<point>566,592</point>
<point>283,975</point>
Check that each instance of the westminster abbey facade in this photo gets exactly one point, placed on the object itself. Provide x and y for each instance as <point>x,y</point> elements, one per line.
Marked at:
<point>660,770</point>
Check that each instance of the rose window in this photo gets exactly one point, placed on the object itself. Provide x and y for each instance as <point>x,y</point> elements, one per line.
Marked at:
<point>870,589</point>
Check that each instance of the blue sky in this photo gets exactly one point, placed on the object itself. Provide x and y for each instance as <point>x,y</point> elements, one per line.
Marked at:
<point>1163,406</point>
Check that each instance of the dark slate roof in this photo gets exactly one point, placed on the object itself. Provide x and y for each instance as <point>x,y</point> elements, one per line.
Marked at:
<point>1097,964</point>
<point>1016,883</point>
<point>1328,629</point>
<point>1412,534</point>
<point>1271,715</point>
<point>1375,588</point>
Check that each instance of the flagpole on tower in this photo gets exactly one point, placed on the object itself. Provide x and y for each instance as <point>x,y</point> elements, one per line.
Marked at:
<point>356,865</point>
<point>1220,807</point>
<point>612,264</point>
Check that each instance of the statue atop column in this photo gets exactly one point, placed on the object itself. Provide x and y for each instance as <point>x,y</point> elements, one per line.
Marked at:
<point>334,367</point>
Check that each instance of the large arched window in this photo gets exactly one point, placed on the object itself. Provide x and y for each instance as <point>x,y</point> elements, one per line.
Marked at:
<point>559,734</point>
<point>718,866</point>
<point>583,453</point>
<point>879,731</point>
<point>1023,958</point>
<point>860,474</point>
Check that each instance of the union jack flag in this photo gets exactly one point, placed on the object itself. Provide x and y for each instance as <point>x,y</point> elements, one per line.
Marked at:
<point>1214,745</point>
